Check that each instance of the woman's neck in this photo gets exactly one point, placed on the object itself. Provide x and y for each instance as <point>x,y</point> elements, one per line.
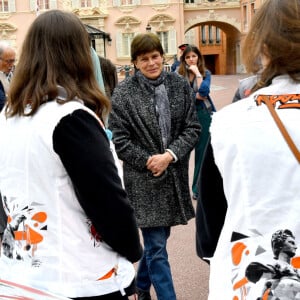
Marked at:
<point>191,76</point>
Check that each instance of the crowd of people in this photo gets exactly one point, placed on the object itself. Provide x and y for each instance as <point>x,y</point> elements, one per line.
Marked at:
<point>74,221</point>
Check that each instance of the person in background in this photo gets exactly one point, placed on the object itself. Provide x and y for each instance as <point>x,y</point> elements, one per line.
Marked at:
<point>254,159</point>
<point>176,62</point>
<point>109,74</point>
<point>192,67</point>
<point>71,229</point>
<point>2,96</point>
<point>246,84</point>
<point>244,87</point>
<point>97,69</point>
<point>155,127</point>
<point>7,64</point>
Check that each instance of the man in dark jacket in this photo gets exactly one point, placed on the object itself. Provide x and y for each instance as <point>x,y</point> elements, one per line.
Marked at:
<point>7,64</point>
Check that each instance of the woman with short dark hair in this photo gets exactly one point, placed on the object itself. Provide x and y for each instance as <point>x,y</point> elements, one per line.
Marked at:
<point>155,128</point>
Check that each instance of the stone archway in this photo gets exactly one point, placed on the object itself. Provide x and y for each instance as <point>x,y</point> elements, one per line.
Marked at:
<point>223,57</point>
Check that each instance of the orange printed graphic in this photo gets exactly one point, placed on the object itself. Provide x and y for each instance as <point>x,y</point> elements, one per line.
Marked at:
<point>108,275</point>
<point>40,217</point>
<point>30,235</point>
<point>286,101</point>
<point>266,294</point>
<point>240,283</point>
<point>237,252</point>
<point>295,262</point>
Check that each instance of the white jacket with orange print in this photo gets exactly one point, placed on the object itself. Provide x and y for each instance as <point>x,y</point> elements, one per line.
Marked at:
<point>261,179</point>
<point>49,242</point>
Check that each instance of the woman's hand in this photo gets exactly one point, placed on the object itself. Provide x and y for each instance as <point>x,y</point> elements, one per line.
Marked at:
<point>199,97</point>
<point>158,163</point>
<point>194,69</point>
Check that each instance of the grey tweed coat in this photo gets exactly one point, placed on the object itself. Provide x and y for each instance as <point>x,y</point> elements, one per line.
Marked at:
<point>164,200</point>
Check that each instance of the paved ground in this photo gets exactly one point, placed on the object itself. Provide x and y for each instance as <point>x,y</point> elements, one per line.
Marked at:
<point>190,274</point>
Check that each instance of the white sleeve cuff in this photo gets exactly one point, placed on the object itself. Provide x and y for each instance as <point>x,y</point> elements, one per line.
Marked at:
<point>173,154</point>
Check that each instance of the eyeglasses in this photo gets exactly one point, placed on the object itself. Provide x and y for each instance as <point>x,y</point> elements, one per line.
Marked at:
<point>9,61</point>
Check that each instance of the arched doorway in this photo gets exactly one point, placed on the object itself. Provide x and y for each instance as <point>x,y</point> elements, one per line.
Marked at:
<point>219,42</point>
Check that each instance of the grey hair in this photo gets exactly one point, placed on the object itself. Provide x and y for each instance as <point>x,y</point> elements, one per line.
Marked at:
<point>4,46</point>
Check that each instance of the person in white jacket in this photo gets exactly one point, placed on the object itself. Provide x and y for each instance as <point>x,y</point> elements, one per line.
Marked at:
<point>70,228</point>
<point>250,176</point>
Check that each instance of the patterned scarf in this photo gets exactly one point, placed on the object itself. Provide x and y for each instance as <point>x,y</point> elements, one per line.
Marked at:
<point>161,101</point>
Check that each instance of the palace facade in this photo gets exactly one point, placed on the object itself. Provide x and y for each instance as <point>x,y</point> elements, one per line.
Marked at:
<point>217,27</point>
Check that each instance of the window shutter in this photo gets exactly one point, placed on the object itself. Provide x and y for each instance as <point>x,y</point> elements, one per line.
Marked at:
<point>95,3</point>
<point>119,44</point>
<point>53,4</point>
<point>12,5</point>
<point>116,2</point>
<point>75,4</point>
<point>172,43</point>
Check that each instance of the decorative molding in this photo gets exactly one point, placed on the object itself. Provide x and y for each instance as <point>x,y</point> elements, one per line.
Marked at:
<point>218,4</point>
<point>90,13</point>
<point>127,8</point>
<point>160,7</point>
<point>6,31</point>
<point>212,16</point>
<point>5,15</point>
<point>7,27</point>
<point>162,22</point>
<point>66,4</point>
<point>128,23</point>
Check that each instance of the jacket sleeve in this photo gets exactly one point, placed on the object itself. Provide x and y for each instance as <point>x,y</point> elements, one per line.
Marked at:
<point>84,150</point>
<point>2,96</point>
<point>190,128</point>
<point>211,207</point>
<point>237,96</point>
<point>120,123</point>
<point>204,88</point>
<point>3,217</point>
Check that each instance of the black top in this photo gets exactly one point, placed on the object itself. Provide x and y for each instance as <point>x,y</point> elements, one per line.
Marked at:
<point>84,150</point>
<point>2,96</point>
<point>211,206</point>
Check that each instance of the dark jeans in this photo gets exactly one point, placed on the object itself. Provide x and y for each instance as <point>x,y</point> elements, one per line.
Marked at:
<point>154,267</point>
